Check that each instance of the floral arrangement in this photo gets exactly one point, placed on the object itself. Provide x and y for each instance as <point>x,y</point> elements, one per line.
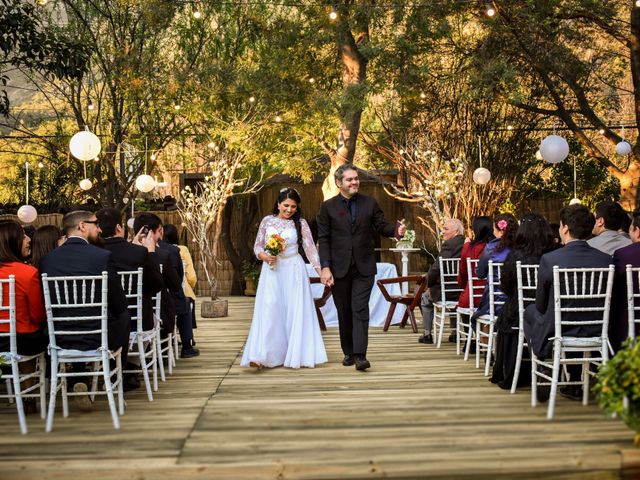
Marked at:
<point>407,240</point>
<point>274,245</point>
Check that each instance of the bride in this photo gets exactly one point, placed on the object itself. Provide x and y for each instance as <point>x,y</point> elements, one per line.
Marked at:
<point>284,329</point>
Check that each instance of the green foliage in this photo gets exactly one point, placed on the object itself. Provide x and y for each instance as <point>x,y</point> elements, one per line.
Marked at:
<point>619,379</point>
<point>251,270</point>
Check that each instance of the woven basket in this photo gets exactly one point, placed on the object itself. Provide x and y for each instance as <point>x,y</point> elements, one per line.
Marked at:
<point>214,308</point>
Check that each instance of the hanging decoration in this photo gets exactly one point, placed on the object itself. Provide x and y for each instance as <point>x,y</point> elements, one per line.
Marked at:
<point>27,213</point>
<point>554,149</point>
<point>481,175</point>
<point>145,183</point>
<point>623,147</point>
<point>85,145</point>
<point>575,200</point>
<point>85,184</point>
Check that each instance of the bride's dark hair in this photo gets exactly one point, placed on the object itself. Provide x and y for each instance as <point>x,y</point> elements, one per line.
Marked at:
<point>292,194</point>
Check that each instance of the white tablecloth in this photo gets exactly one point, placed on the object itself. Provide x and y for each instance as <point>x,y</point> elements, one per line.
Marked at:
<point>378,306</point>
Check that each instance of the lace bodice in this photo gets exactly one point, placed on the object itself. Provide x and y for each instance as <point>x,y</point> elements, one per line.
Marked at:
<point>286,229</point>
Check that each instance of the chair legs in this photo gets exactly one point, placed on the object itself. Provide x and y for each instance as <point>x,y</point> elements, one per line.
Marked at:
<point>18,395</point>
<point>387,322</point>
<point>106,375</point>
<point>516,373</point>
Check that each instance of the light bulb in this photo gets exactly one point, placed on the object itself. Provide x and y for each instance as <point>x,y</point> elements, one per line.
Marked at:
<point>196,14</point>
<point>509,127</point>
<point>40,165</point>
<point>423,95</point>
<point>333,15</point>
<point>278,118</point>
<point>211,145</point>
<point>252,99</point>
<point>602,129</point>
<point>153,156</point>
<point>637,3</point>
<point>312,80</point>
<point>91,106</point>
<point>491,12</point>
<point>176,106</point>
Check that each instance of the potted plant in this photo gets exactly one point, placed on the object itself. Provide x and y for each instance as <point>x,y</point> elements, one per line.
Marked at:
<point>201,210</point>
<point>618,387</point>
<point>251,273</point>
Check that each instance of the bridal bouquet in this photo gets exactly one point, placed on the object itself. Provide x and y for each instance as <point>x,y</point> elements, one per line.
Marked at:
<point>274,246</point>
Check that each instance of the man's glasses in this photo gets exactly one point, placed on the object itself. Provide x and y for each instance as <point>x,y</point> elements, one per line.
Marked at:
<point>95,222</point>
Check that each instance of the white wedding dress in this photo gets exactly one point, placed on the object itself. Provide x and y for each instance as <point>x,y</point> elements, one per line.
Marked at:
<point>284,329</point>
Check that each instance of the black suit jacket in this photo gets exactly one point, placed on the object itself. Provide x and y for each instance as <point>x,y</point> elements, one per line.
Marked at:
<point>619,326</point>
<point>172,283</point>
<point>450,249</point>
<point>341,244</point>
<point>539,321</point>
<point>176,261</point>
<point>74,258</point>
<point>127,257</point>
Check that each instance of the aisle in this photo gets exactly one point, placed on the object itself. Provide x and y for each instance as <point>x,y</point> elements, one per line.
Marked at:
<point>418,412</point>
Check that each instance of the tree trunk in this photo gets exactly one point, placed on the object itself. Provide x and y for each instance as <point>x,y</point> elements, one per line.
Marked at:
<point>629,184</point>
<point>354,72</point>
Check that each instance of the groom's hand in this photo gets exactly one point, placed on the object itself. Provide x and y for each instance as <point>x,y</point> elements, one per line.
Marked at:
<point>326,277</point>
<point>402,228</point>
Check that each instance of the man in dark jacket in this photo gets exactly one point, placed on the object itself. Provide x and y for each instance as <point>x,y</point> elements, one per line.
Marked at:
<point>453,239</point>
<point>346,226</point>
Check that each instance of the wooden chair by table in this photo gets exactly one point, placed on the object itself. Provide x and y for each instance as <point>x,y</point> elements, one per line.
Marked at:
<point>321,301</point>
<point>14,380</point>
<point>410,300</point>
<point>584,290</point>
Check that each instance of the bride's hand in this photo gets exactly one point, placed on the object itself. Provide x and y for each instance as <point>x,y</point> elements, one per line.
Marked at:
<point>270,259</point>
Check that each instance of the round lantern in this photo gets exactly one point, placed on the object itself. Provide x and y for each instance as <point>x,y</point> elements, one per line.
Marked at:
<point>623,148</point>
<point>85,184</point>
<point>575,201</point>
<point>85,146</point>
<point>27,214</point>
<point>130,223</point>
<point>554,149</point>
<point>481,176</point>
<point>145,183</point>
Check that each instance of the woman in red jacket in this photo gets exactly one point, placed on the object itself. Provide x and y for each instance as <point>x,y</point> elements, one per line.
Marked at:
<point>30,312</point>
<point>482,228</point>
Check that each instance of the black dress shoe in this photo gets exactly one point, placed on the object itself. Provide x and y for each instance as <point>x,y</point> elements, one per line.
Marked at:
<point>572,392</point>
<point>426,338</point>
<point>130,382</point>
<point>348,360</point>
<point>362,364</point>
<point>189,352</point>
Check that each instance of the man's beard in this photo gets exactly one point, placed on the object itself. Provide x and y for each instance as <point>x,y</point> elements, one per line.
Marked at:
<point>98,241</point>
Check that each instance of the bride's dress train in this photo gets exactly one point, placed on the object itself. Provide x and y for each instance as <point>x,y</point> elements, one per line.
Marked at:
<point>284,329</point>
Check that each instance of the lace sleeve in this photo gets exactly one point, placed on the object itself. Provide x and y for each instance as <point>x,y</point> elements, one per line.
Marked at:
<point>308,245</point>
<point>258,247</point>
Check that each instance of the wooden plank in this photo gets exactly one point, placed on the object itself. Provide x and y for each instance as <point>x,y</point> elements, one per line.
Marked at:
<point>419,412</point>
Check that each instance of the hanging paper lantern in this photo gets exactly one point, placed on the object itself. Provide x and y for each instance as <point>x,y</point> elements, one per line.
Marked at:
<point>554,149</point>
<point>145,183</point>
<point>539,155</point>
<point>85,146</point>
<point>86,184</point>
<point>130,223</point>
<point>481,176</point>
<point>623,148</point>
<point>27,214</point>
<point>575,201</point>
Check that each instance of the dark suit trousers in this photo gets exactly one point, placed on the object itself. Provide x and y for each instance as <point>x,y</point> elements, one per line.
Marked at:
<point>118,332</point>
<point>351,295</point>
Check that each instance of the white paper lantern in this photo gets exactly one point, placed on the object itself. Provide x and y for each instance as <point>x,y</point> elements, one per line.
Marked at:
<point>145,183</point>
<point>85,146</point>
<point>623,148</point>
<point>130,223</point>
<point>575,201</point>
<point>539,156</point>
<point>27,214</point>
<point>481,176</point>
<point>554,149</point>
<point>86,184</point>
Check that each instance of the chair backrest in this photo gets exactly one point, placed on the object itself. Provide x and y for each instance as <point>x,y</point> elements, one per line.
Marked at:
<point>8,290</point>
<point>76,306</point>
<point>633,299</point>
<point>527,282</point>
<point>475,284</point>
<point>496,297</point>
<point>131,282</point>
<point>582,298</point>
<point>449,268</point>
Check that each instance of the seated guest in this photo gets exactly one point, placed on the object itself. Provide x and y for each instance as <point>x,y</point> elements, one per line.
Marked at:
<point>482,228</point>
<point>45,239</point>
<point>127,256</point>
<point>505,227</point>
<point>31,318</point>
<point>174,303</point>
<point>609,220</point>
<point>78,257</point>
<point>190,277</point>
<point>533,239</point>
<point>453,239</point>
<point>576,224</point>
<point>629,255</point>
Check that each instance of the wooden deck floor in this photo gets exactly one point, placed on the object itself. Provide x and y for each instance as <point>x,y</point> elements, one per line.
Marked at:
<point>419,412</point>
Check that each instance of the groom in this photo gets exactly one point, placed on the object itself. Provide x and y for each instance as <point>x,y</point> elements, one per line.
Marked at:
<point>345,232</point>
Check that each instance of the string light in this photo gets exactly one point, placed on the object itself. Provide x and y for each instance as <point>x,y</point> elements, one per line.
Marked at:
<point>637,3</point>
<point>153,156</point>
<point>509,127</point>
<point>252,99</point>
<point>423,95</point>
<point>333,15</point>
<point>312,80</point>
<point>601,131</point>
<point>196,13</point>
<point>176,106</point>
<point>491,12</point>
<point>91,106</point>
<point>278,118</point>
<point>40,165</point>
<point>211,145</point>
